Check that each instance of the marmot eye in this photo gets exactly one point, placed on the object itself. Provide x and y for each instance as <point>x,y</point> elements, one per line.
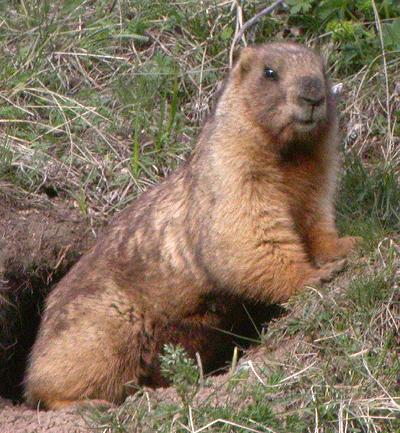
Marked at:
<point>270,73</point>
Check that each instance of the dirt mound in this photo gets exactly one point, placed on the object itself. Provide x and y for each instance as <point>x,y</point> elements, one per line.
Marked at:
<point>40,239</point>
<point>19,419</point>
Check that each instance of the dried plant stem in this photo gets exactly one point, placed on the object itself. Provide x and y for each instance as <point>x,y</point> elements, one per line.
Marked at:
<point>386,152</point>
<point>256,18</point>
<point>240,34</point>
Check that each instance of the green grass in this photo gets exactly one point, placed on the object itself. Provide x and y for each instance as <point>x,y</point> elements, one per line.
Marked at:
<point>100,99</point>
<point>369,200</point>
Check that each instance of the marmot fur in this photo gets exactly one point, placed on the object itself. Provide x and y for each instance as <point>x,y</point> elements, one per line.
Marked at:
<point>250,215</point>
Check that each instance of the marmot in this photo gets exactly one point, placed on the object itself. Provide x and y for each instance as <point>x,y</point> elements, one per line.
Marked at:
<point>250,214</point>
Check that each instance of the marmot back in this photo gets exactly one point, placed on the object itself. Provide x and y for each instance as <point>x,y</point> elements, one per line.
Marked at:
<point>249,216</point>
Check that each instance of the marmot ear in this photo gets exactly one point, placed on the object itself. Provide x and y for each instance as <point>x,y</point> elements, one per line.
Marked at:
<point>245,59</point>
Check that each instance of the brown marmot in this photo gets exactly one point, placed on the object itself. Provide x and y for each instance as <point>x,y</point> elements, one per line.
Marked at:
<point>250,214</point>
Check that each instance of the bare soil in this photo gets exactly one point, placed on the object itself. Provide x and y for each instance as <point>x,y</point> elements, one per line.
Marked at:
<point>20,419</point>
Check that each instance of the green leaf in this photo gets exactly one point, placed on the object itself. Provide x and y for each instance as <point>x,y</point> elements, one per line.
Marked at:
<point>297,6</point>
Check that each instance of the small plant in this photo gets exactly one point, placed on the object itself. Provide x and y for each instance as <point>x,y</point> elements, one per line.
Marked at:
<point>181,371</point>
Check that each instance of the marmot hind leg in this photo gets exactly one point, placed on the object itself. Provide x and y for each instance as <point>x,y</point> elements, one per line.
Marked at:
<point>96,357</point>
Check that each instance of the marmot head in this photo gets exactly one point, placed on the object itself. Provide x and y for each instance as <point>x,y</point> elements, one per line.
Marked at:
<point>285,90</point>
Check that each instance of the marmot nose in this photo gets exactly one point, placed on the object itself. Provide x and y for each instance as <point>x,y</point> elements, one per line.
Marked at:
<point>311,91</point>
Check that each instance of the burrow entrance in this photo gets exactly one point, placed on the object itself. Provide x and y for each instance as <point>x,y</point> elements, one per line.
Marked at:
<point>20,311</point>
<point>40,239</point>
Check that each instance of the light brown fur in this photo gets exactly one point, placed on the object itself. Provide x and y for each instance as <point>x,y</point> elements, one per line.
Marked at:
<point>249,216</point>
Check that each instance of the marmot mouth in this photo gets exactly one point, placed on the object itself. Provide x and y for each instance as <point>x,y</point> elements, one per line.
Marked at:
<point>305,125</point>
<point>306,121</point>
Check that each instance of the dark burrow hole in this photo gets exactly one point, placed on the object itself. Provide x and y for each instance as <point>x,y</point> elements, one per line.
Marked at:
<point>21,304</point>
<point>50,190</point>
